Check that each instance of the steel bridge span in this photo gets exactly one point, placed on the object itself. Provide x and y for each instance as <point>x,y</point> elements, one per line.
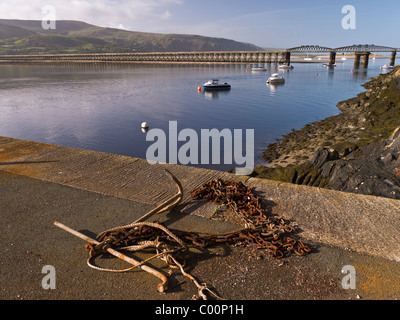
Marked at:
<point>361,52</point>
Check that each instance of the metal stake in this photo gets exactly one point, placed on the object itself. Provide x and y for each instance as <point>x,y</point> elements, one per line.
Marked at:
<point>161,287</point>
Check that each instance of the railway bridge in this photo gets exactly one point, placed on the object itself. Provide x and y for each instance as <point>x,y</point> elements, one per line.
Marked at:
<point>200,57</point>
<point>362,53</point>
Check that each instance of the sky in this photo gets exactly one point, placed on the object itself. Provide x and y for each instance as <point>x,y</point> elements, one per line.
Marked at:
<point>265,23</point>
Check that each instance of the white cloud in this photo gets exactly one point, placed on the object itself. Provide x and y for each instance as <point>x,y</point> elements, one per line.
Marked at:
<point>102,12</point>
<point>166,15</point>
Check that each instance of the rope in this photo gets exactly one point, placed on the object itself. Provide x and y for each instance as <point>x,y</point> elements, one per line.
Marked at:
<point>163,251</point>
<point>101,236</point>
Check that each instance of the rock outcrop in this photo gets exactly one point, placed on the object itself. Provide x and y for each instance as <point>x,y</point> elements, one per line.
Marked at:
<point>373,169</point>
<point>365,157</point>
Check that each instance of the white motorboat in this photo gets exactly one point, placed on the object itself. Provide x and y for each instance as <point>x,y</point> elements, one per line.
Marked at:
<point>284,66</point>
<point>256,69</point>
<point>387,67</point>
<point>307,58</point>
<point>275,79</point>
<point>214,84</point>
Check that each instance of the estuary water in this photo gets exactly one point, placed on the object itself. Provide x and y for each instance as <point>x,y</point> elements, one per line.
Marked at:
<point>101,106</point>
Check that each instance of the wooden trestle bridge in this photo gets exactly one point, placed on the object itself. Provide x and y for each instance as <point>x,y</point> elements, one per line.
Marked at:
<point>361,52</point>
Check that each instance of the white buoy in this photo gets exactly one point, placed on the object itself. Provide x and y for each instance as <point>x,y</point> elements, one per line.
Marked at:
<point>145,125</point>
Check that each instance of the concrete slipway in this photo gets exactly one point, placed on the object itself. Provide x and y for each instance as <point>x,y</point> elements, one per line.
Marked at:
<point>92,191</point>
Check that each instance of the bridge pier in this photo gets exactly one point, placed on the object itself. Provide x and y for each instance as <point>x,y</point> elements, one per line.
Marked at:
<point>393,58</point>
<point>287,58</point>
<point>357,58</point>
<point>365,59</point>
<point>361,57</point>
<point>332,58</point>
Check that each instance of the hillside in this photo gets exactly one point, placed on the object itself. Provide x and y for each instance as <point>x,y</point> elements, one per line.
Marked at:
<point>28,37</point>
<point>11,31</point>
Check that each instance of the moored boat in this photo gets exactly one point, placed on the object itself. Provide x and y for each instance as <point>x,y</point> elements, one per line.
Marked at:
<point>284,66</point>
<point>275,79</point>
<point>258,69</point>
<point>214,84</point>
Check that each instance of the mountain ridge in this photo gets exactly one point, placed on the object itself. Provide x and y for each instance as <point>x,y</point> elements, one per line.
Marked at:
<point>71,36</point>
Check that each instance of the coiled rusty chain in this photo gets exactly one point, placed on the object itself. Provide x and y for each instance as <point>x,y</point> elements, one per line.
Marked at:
<point>263,230</point>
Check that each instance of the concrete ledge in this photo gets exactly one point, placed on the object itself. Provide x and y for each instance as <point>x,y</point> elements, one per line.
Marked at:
<point>365,224</point>
<point>361,223</point>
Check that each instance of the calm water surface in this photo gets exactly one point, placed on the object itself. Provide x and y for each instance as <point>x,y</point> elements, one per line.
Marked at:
<point>101,106</point>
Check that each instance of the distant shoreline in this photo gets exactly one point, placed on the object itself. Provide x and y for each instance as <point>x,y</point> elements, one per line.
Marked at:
<point>154,62</point>
<point>146,62</point>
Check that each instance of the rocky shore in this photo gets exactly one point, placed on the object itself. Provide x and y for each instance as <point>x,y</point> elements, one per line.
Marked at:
<point>356,151</point>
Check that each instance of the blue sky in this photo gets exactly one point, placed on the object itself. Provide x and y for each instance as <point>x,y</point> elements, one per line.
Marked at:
<point>281,24</point>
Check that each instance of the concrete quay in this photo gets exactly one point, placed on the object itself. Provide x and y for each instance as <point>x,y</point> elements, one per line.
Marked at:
<point>92,191</point>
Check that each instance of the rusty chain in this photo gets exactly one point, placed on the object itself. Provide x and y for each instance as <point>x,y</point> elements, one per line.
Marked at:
<point>262,229</point>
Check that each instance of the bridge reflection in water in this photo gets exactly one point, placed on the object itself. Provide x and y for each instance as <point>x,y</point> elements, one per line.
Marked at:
<point>361,53</point>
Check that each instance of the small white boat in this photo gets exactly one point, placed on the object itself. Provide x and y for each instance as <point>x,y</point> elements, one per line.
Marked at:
<point>308,59</point>
<point>275,79</point>
<point>387,67</point>
<point>284,66</point>
<point>258,69</point>
<point>214,84</point>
